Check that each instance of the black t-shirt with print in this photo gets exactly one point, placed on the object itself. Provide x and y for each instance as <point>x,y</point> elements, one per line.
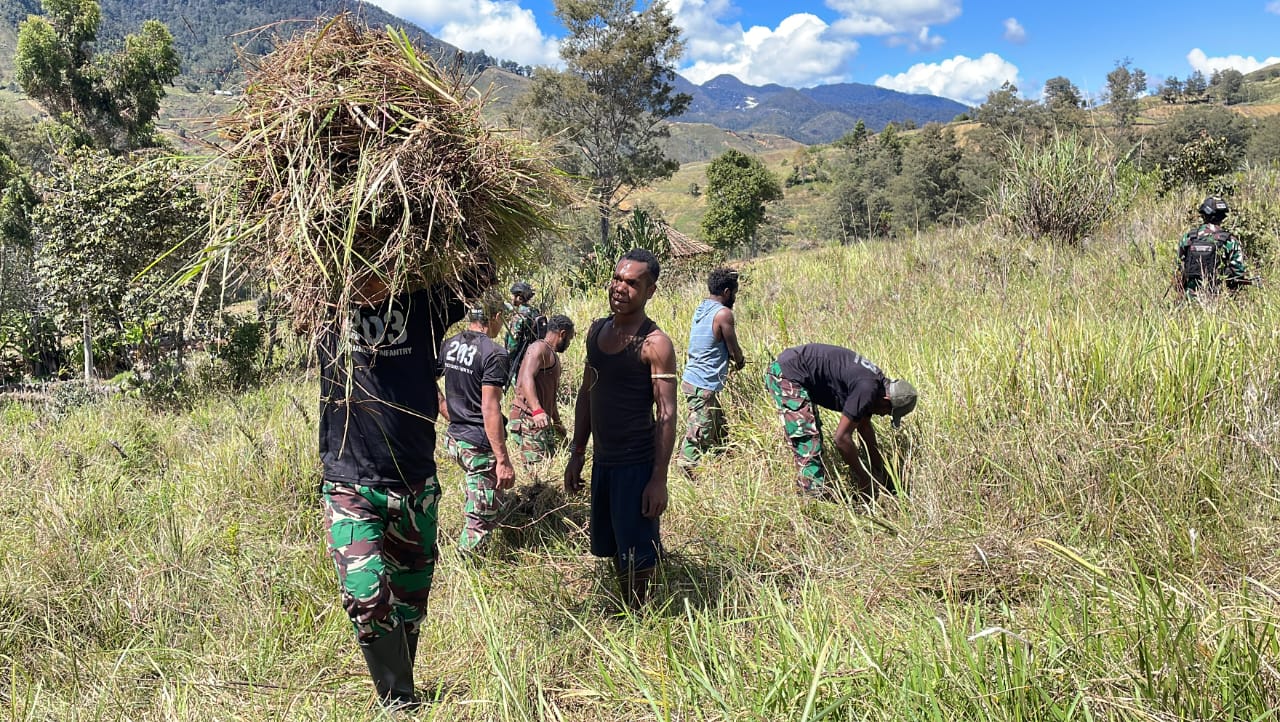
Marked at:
<point>377,389</point>
<point>468,362</point>
<point>836,378</point>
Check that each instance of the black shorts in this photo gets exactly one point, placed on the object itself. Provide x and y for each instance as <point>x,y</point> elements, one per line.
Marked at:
<point>618,529</point>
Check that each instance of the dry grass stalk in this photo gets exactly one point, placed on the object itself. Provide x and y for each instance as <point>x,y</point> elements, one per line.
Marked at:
<point>360,164</point>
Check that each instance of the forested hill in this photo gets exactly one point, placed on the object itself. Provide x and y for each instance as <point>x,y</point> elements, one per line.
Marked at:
<point>207,33</point>
<point>809,115</point>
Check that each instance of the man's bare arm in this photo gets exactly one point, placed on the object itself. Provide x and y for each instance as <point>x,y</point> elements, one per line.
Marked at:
<point>725,329</point>
<point>534,359</point>
<point>661,357</point>
<point>491,411</point>
<point>849,450</point>
<point>581,431</point>
<point>442,405</point>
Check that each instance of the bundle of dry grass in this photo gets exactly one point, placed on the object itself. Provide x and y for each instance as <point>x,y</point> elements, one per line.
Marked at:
<point>361,165</point>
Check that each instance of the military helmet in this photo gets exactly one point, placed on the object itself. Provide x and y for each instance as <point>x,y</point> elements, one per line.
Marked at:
<point>1213,206</point>
<point>522,289</point>
<point>902,400</point>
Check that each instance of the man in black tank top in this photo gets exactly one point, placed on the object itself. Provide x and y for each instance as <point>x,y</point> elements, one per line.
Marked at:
<point>627,402</point>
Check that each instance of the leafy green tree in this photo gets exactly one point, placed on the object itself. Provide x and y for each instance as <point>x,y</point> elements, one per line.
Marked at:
<point>1169,141</point>
<point>1171,90</point>
<point>854,138</point>
<point>1125,84</point>
<point>106,101</point>
<point>17,199</point>
<point>102,226</point>
<point>1228,86</point>
<point>1264,146</point>
<point>1005,114</point>
<point>610,100</point>
<point>1195,85</point>
<point>929,189</point>
<point>1064,102</point>
<point>738,187</point>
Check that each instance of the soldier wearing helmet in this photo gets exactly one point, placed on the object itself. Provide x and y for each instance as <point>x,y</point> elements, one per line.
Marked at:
<point>1209,256</point>
<point>520,327</point>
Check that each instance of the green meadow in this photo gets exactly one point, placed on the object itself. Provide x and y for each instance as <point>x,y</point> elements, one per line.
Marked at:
<point>1087,528</point>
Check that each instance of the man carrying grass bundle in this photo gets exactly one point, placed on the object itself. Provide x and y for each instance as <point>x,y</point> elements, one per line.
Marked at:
<point>630,372</point>
<point>365,183</point>
<point>380,492</point>
<point>474,370</point>
<point>535,414</point>
<point>713,342</point>
<point>805,377</point>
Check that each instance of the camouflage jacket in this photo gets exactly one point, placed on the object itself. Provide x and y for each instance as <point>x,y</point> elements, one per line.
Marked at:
<point>1231,268</point>
<point>521,323</point>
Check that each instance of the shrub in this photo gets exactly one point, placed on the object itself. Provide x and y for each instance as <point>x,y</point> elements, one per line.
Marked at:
<point>1062,188</point>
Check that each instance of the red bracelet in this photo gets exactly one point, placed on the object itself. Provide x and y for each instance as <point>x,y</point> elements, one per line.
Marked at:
<point>538,412</point>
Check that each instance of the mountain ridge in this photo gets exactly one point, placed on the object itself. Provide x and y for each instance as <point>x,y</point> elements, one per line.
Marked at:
<point>211,38</point>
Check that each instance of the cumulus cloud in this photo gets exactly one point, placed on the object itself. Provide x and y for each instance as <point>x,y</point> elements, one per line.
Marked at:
<point>964,79</point>
<point>921,40</point>
<point>501,28</point>
<point>1208,66</point>
<point>800,51</point>
<point>1015,33</point>
<point>889,17</point>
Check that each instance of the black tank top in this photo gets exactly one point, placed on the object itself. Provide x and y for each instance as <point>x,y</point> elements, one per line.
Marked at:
<point>622,400</point>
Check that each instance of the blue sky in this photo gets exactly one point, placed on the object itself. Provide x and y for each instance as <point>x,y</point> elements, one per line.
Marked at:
<point>954,48</point>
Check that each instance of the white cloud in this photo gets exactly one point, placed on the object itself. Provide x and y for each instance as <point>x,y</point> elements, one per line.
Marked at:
<point>1199,61</point>
<point>501,28</point>
<point>922,40</point>
<point>799,52</point>
<point>889,17</point>
<point>1273,7</point>
<point>1015,33</point>
<point>964,79</point>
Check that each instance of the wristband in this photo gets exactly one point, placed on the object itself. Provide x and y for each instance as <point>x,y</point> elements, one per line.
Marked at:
<point>538,412</point>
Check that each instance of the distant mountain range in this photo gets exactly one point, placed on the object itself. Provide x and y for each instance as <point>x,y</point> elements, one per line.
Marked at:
<point>810,115</point>
<point>210,35</point>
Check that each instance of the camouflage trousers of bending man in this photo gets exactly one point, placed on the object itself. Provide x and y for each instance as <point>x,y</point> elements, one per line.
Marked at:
<point>801,427</point>
<point>383,545</point>
<point>480,485</point>
<point>535,445</point>
<point>705,428</point>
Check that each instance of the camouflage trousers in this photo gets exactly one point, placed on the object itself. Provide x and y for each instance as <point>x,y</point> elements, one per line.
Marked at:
<point>801,427</point>
<point>383,544</point>
<point>535,445</point>
<point>705,427</point>
<point>480,485</point>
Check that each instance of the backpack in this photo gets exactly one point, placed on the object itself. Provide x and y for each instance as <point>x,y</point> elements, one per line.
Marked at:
<point>1200,263</point>
<point>535,329</point>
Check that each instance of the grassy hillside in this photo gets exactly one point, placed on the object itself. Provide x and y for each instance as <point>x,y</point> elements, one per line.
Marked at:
<point>1088,529</point>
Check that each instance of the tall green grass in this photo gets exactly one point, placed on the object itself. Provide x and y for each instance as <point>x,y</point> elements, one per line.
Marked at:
<point>1087,529</point>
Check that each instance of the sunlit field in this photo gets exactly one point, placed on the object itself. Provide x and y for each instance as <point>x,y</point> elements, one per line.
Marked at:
<point>1088,526</point>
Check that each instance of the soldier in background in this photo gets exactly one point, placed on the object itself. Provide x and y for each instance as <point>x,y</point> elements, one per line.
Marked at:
<point>1209,257</point>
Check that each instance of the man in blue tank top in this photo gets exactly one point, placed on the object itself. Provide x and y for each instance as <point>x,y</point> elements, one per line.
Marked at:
<point>713,342</point>
<point>627,406</point>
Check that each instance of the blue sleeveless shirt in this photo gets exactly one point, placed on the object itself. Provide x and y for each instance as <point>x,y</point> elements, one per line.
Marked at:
<point>708,359</point>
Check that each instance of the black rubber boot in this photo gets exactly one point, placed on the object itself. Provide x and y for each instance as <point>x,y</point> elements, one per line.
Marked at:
<point>391,667</point>
<point>412,639</point>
